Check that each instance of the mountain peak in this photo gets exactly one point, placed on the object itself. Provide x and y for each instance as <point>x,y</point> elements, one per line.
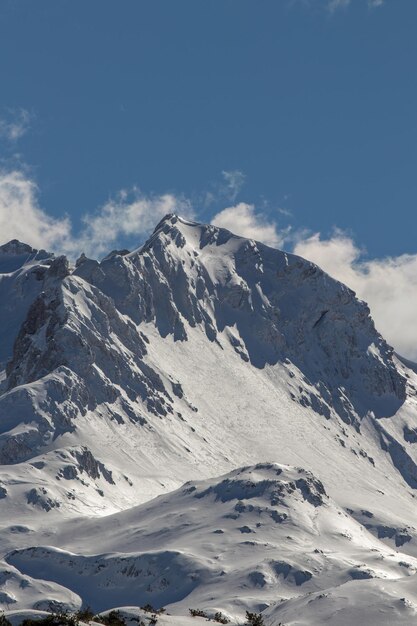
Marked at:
<point>16,247</point>
<point>172,226</point>
<point>271,307</point>
<point>15,254</point>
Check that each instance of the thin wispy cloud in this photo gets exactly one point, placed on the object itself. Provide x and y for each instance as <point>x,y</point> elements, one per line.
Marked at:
<point>14,125</point>
<point>222,191</point>
<point>334,5</point>
<point>285,212</point>
<point>233,183</point>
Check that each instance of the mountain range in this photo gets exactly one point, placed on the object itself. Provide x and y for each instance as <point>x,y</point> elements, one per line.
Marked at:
<point>203,422</point>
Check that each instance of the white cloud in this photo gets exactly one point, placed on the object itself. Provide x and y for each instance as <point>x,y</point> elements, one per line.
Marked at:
<point>243,220</point>
<point>22,218</point>
<point>234,181</point>
<point>129,215</point>
<point>14,128</point>
<point>375,3</point>
<point>388,285</point>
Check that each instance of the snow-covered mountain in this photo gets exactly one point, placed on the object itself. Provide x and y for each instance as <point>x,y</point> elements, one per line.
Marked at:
<point>193,356</point>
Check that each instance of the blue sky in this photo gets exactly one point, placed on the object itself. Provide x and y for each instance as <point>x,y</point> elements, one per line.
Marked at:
<point>300,113</point>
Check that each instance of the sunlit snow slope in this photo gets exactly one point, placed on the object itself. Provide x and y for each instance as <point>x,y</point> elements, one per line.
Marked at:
<point>197,354</point>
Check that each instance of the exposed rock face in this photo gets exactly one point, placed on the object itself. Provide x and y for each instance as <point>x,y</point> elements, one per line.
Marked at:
<point>59,267</point>
<point>22,275</point>
<point>35,352</point>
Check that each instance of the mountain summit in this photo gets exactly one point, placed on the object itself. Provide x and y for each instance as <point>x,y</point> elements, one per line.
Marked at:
<point>189,357</point>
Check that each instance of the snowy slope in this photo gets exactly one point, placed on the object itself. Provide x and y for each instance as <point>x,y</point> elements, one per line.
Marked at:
<point>196,354</point>
<point>264,535</point>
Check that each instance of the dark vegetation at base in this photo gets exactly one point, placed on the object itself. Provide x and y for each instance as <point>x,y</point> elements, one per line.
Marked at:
<point>217,617</point>
<point>254,619</point>
<point>63,618</point>
<point>115,618</point>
